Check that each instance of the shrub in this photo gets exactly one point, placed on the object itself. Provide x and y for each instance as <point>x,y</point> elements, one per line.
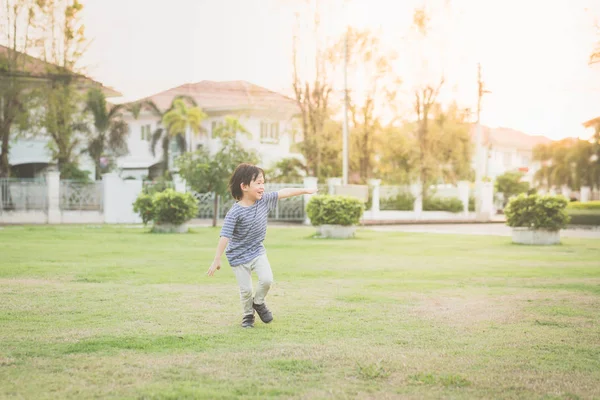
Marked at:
<point>143,206</point>
<point>537,212</point>
<point>590,205</point>
<point>451,204</point>
<point>334,210</point>
<point>401,202</point>
<point>167,207</point>
<point>510,185</point>
<point>584,217</point>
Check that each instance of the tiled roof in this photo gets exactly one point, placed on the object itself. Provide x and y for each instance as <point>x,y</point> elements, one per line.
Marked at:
<point>34,67</point>
<point>506,137</point>
<point>228,95</point>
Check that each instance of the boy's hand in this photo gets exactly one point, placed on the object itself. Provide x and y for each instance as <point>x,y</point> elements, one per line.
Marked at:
<point>216,264</point>
<point>311,190</point>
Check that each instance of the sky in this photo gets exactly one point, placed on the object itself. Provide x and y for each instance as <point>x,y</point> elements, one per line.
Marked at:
<point>533,53</point>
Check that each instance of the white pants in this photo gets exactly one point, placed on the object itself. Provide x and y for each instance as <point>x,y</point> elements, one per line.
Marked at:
<point>243,273</point>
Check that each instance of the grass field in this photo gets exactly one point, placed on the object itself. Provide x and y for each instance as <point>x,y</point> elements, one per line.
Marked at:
<point>115,312</point>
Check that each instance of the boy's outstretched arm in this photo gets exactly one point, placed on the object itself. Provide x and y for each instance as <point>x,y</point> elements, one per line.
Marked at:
<point>216,264</point>
<point>291,192</point>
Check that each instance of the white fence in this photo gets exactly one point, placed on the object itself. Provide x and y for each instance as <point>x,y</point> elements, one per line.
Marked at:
<point>50,200</point>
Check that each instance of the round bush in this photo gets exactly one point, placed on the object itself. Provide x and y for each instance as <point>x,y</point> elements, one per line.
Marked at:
<point>143,206</point>
<point>334,210</point>
<point>167,207</point>
<point>537,212</point>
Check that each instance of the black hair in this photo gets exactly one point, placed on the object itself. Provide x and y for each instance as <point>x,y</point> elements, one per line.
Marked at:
<point>244,173</point>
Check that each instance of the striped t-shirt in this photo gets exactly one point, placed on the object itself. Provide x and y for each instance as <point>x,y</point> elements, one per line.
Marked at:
<point>246,228</point>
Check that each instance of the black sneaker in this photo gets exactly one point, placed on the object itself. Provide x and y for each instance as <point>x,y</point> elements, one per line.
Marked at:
<point>263,312</point>
<point>248,321</point>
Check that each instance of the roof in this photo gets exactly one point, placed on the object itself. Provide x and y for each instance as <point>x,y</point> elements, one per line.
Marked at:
<point>506,137</point>
<point>37,68</point>
<point>226,96</point>
<point>592,122</point>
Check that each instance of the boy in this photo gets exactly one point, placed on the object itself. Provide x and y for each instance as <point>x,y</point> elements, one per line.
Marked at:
<point>242,234</point>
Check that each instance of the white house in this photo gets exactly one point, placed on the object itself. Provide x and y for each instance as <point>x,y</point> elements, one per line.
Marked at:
<point>506,149</point>
<point>267,115</point>
<point>29,155</point>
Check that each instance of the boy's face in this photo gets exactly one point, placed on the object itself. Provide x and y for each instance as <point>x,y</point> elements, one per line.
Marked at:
<point>256,189</point>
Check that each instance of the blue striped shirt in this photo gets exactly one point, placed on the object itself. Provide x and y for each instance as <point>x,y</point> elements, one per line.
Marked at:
<point>246,228</point>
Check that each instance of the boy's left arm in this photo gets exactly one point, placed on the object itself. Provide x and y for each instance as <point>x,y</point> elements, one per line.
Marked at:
<point>291,192</point>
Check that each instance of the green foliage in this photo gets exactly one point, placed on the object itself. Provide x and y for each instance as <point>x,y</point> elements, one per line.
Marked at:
<point>287,170</point>
<point>71,171</point>
<point>402,202</point>
<point>584,217</point>
<point>590,205</point>
<point>143,206</point>
<point>158,185</point>
<point>451,204</point>
<point>334,210</point>
<point>537,212</point>
<point>167,207</point>
<point>471,203</point>
<point>510,184</point>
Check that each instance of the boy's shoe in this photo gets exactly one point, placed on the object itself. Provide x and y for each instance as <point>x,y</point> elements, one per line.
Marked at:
<point>248,321</point>
<point>263,312</point>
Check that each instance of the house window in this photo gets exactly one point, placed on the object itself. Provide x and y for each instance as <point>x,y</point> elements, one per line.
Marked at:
<point>213,127</point>
<point>269,132</point>
<point>146,132</point>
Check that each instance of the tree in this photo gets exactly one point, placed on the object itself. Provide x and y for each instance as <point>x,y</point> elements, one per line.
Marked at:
<point>18,31</point>
<point>63,104</point>
<point>109,137</point>
<point>371,72</point>
<point>172,125</point>
<point>313,99</point>
<point>207,173</point>
<point>287,170</point>
<point>181,118</point>
<point>510,185</point>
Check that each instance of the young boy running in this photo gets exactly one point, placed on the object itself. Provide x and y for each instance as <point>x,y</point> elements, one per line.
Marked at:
<point>243,233</point>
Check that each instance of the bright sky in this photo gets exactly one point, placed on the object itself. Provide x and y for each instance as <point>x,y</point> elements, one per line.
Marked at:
<point>533,52</point>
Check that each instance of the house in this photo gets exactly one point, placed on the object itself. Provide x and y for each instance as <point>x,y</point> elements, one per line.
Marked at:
<point>29,155</point>
<point>506,149</point>
<point>267,115</point>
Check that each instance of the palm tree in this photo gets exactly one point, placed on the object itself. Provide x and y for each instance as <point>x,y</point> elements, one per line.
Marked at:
<point>109,138</point>
<point>180,119</point>
<point>173,124</point>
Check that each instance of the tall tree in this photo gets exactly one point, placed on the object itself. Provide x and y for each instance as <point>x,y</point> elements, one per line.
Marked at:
<point>181,119</point>
<point>63,117</point>
<point>313,99</point>
<point>371,76</point>
<point>172,124</point>
<point>19,33</point>
<point>108,139</point>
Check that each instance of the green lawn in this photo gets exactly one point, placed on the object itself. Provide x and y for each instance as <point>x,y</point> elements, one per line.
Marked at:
<point>115,312</point>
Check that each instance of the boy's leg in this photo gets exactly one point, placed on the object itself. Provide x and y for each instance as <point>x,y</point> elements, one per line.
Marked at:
<point>243,274</point>
<point>265,279</point>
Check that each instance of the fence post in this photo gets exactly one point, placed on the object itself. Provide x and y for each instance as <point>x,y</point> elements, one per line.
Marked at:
<point>585,194</point>
<point>111,200</point>
<point>375,184</point>
<point>310,182</point>
<point>463,194</point>
<point>180,183</point>
<point>416,190</point>
<point>332,183</point>
<point>53,188</point>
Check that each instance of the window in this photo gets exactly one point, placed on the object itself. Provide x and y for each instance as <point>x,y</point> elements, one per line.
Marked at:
<point>269,132</point>
<point>146,132</point>
<point>213,127</point>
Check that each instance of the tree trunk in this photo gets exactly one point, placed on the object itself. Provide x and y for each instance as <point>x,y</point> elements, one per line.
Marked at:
<point>215,210</point>
<point>4,166</point>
